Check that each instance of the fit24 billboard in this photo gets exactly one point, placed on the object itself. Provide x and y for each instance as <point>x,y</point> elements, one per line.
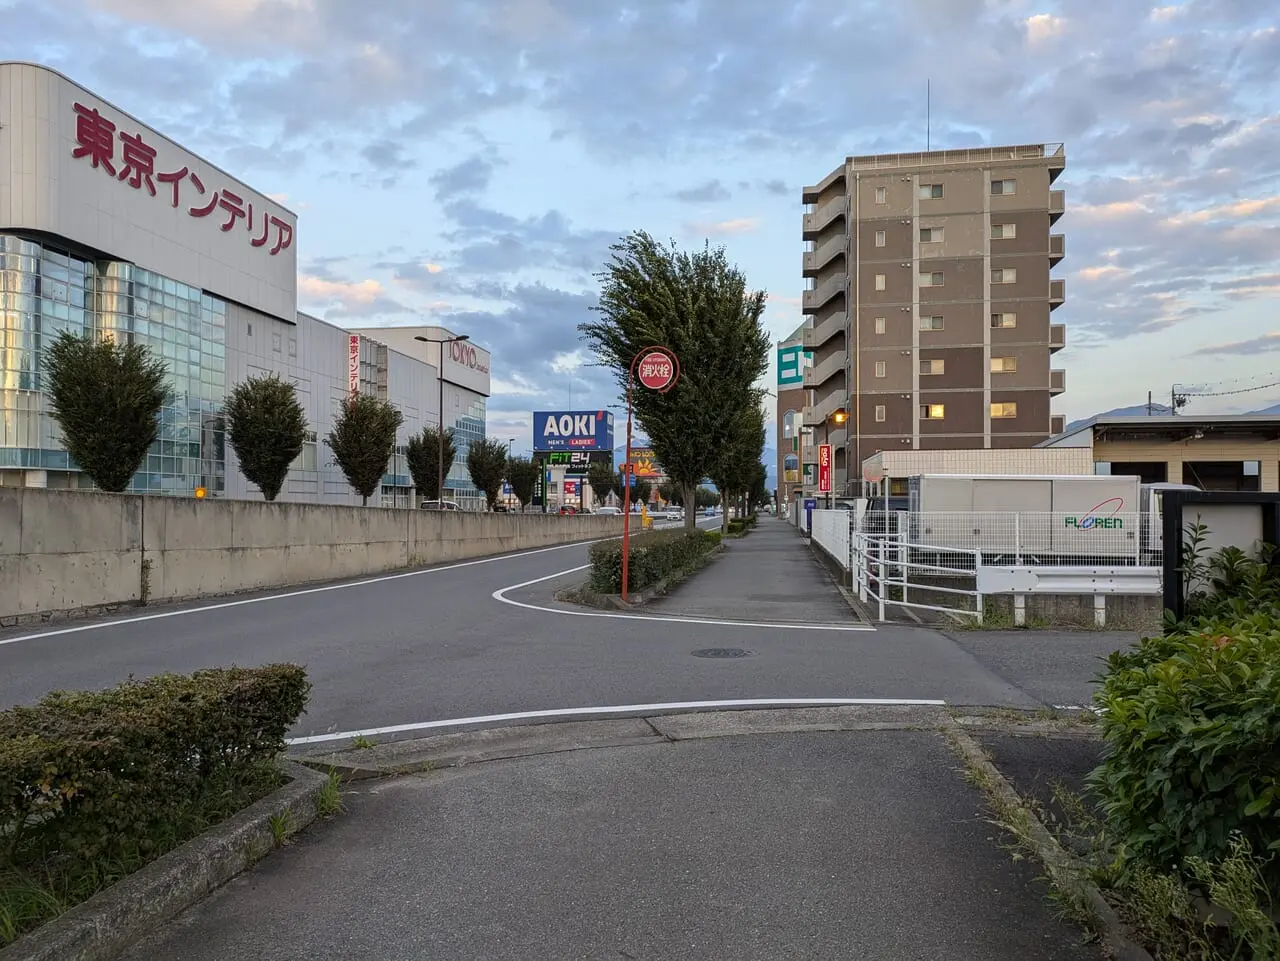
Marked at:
<point>572,430</point>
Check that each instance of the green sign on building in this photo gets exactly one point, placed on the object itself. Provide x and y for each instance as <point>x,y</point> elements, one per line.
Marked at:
<point>792,360</point>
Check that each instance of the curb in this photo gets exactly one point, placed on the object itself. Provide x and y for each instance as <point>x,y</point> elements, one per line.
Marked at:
<point>103,926</point>
<point>1064,870</point>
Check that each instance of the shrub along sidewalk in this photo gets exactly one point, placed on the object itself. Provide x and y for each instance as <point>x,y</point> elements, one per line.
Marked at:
<point>94,785</point>
<point>656,558</point>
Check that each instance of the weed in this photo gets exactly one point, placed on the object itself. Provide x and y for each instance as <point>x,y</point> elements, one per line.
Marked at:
<point>361,743</point>
<point>329,800</point>
<point>281,827</point>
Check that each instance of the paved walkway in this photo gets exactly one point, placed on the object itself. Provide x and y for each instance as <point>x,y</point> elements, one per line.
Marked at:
<point>769,575</point>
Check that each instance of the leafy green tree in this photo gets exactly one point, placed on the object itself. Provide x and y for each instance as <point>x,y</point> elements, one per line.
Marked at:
<point>698,306</point>
<point>106,396</point>
<point>603,479</point>
<point>734,463</point>
<point>266,427</point>
<point>705,498</point>
<point>424,460</point>
<point>670,493</point>
<point>522,475</point>
<point>487,465</point>
<point>362,441</point>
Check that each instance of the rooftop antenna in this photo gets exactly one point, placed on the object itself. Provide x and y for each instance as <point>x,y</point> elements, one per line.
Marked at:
<point>928,114</point>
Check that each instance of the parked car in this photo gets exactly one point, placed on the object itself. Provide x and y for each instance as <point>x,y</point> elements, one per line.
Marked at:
<point>613,511</point>
<point>440,506</point>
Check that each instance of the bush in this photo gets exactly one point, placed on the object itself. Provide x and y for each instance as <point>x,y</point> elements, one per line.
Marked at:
<point>654,556</point>
<point>95,783</point>
<point>1191,722</point>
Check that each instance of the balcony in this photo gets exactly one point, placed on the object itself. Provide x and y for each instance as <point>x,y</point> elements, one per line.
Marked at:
<point>822,331</point>
<point>815,260</point>
<point>813,299</point>
<point>1057,423</point>
<point>820,373</point>
<point>810,195</point>
<point>817,415</point>
<point>839,437</point>
<point>1057,293</point>
<point>1057,205</point>
<point>817,221</point>
<point>1057,249</point>
<point>1057,337</point>
<point>1057,382</point>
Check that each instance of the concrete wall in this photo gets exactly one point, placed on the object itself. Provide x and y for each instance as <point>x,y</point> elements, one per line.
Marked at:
<point>72,551</point>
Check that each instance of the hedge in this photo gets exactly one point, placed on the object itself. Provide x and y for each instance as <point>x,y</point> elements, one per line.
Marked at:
<point>654,556</point>
<point>91,776</point>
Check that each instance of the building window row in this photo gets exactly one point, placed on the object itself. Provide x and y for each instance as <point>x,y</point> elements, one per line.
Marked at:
<point>999,188</point>
<point>936,235</point>
<point>1002,411</point>
<point>1001,321</point>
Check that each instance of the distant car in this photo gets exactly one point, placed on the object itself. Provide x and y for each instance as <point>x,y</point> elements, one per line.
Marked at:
<point>570,509</point>
<point>440,506</point>
<point>710,512</point>
<point>609,510</point>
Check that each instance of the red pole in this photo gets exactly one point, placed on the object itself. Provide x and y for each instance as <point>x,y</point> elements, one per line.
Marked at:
<point>626,496</point>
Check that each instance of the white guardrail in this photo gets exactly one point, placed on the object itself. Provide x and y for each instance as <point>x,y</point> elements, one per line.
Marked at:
<point>950,561</point>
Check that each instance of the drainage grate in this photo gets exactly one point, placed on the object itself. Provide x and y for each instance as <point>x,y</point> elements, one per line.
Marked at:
<point>722,652</point>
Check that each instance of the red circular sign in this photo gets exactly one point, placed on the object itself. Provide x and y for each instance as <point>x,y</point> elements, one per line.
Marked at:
<point>656,370</point>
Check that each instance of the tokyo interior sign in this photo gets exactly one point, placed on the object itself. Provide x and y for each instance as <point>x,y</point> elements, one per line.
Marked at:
<point>353,363</point>
<point>572,430</point>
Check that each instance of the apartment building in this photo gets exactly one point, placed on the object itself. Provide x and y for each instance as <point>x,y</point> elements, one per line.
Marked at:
<point>930,302</point>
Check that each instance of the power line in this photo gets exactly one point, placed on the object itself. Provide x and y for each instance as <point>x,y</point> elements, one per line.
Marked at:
<point>1180,394</point>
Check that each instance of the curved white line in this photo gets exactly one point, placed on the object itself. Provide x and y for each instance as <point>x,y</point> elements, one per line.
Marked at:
<point>500,595</point>
<point>624,709</point>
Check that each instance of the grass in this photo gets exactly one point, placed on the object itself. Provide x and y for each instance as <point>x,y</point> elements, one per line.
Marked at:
<point>361,743</point>
<point>329,800</point>
<point>40,883</point>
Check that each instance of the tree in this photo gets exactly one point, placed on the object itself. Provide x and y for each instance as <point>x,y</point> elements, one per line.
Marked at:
<point>362,441</point>
<point>424,463</point>
<point>705,498</point>
<point>106,396</point>
<point>698,306</point>
<point>602,478</point>
<point>670,493</point>
<point>266,427</point>
<point>522,475</point>
<point>487,464</point>
<point>734,463</point>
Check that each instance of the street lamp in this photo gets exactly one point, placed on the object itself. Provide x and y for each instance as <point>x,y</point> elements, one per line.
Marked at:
<point>440,377</point>
<point>839,416</point>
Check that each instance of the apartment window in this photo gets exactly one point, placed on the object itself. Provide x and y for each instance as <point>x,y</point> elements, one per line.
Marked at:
<point>293,346</point>
<point>931,323</point>
<point>880,281</point>
<point>932,278</point>
<point>880,325</point>
<point>1004,275</point>
<point>1004,231</point>
<point>880,368</point>
<point>879,413</point>
<point>248,329</point>
<point>932,411</point>
<point>277,341</point>
<point>880,238</point>
<point>1004,320</point>
<point>930,235</point>
<point>930,191</point>
<point>1004,365</point>
<point>1003,188</point>
<point>931,367</point>
<point>880,195</point>
<point>1000,411</point>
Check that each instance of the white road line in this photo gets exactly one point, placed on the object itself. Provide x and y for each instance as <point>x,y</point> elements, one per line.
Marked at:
<point>118,622</point>
<point>500,595</point>
<point>623,709</point>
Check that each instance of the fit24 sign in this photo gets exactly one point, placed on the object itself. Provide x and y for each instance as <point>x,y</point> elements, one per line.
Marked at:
<point>96,141</point>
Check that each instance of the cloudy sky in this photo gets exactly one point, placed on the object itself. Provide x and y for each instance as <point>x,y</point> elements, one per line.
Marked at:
<point>468,162</point>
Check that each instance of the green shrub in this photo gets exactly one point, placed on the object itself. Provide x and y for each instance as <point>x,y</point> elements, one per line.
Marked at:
<point>654,556</point>
<point>1191,722</point>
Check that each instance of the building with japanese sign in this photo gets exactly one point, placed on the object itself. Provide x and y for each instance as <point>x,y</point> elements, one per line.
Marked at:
<point>795,444</point>
<point>109,228</point>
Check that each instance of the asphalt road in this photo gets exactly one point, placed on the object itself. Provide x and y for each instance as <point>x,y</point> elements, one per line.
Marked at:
<point>436,644</point>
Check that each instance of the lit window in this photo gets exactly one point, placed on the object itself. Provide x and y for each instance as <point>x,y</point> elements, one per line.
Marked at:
<point>931,323</point>
<point>880,281</point>
<point>1004,365</point>
<point>930,191</point>
<point>932,411</point>
<point>1004,275</point>
<point>932,278</point>
<point>930,235</point>
<point>930,367</point>
<point>880,195</point>
<point>1004,320</point>
<point>1004,231</point>
<point>879,413</point>
<point>879,325</point>
<point>880,370</point>
<point>880,238</point>
<point>1003,188</point>
<point>999,411</point>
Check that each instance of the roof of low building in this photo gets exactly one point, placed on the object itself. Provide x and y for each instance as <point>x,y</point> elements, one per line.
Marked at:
<point>1267,424</point>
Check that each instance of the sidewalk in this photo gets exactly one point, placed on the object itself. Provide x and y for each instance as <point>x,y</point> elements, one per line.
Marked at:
<point>769,575</point>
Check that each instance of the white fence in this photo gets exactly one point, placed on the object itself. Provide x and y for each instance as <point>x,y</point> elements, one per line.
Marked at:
<point>950,561</point>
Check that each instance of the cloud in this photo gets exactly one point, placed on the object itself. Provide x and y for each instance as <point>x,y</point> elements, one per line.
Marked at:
<point>471,176</point>
<point>346,299</point>
<point>721,228</point>
<point>1267,343</point>
<point>712,191</point>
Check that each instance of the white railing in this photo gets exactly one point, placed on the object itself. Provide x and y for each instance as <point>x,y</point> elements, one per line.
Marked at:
<point>892,570</point>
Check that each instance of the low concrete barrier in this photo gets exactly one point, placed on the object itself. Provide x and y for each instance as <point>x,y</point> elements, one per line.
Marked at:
<point>65,552</point>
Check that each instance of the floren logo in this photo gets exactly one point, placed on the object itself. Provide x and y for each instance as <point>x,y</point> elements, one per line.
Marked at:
<point>1101,517</point>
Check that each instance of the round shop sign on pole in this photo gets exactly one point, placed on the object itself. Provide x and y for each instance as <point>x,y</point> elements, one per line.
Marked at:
<point>658,369</point>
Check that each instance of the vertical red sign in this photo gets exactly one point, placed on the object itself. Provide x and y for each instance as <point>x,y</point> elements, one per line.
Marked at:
<point>824,469</point>
<point>353,364</point>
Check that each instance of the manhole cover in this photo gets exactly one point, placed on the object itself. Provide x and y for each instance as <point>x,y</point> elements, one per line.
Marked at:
<point>722,652</point>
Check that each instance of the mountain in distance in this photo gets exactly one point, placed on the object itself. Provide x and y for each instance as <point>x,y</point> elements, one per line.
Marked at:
<point>1137,410</point>
<point>1272,411</point>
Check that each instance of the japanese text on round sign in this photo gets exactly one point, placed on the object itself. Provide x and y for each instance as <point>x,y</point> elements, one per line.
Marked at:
<point>656,370</point>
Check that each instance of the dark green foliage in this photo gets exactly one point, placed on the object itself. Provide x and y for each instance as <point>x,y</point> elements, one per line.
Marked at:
<point>735,463</point>
<point>106,396</point>
<point>424,460</point>
<point>363,440</point>
<point>522,475</point>
<point>698,306</point>
<point>265,427</point>
<point>93,784</point>
<point>602,478</point>
<point>655,556</point>
<point>487,465</point>
<point>639,493</point>
<point>670,493</point>
<point>705,497</point>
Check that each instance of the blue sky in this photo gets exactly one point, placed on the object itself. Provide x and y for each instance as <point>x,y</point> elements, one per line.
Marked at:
<point>468,163</point>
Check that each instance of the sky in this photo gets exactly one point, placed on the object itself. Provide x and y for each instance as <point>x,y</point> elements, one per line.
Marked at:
<point>469,162</point>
